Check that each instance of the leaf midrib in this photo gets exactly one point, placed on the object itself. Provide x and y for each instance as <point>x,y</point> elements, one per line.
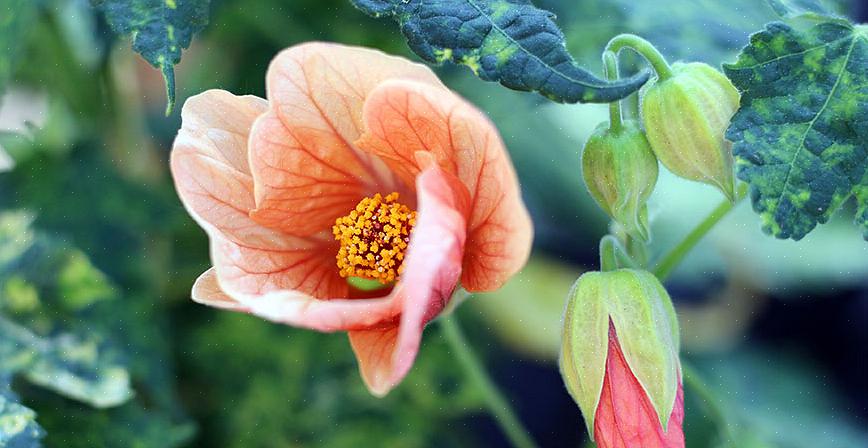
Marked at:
<point>786,185</point>
<point>527,52</point>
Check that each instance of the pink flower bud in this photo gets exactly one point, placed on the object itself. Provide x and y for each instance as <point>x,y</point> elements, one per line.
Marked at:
<point>625,417</point>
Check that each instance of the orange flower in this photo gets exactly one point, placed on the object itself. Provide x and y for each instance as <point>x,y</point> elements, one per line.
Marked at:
<point>358,164</point>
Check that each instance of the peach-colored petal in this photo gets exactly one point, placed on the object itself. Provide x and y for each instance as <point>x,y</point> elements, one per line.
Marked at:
<point>432,269</point>
<point>625,417</point>
<point>209,165</point>
<point>404,119</point>
<point>207,291</point>
<point>306,169</point>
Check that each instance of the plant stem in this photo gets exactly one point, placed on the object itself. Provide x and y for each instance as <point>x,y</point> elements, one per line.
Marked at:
<point>671,260</point>
<point>494,399</point>
<point>645,49</point>
<point>694,381</point>
<point>610,64</point>
<point>613,255</point>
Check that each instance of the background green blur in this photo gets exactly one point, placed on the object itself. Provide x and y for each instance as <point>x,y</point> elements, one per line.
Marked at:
<point>99,338</point>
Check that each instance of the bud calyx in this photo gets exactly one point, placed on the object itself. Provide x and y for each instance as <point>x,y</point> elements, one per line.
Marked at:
<point>685,117</point>
<point>641,313</point>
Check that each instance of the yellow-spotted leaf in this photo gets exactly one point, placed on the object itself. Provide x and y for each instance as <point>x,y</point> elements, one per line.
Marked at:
<point>508,41</point>
<point>800,137</point>
<point>159,29</point>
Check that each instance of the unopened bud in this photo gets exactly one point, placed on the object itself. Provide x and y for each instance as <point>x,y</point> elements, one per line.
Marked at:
<point>633,305</point>
<point>620,171</point>
<point>685,117</point>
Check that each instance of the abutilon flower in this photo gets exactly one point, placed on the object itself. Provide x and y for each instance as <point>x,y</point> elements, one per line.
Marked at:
<point>619,360</point>
<point>358,164</point>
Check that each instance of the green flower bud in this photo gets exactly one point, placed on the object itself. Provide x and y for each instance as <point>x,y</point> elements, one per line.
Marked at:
<point>685,117</point>
<point>641,314</point>
<point>620,171</point>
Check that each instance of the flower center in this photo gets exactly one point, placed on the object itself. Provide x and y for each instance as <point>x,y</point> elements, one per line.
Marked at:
<point>374,237</point>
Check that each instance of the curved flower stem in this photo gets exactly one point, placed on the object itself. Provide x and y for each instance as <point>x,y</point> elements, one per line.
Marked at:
<point>613,255</point>
<point>693,380</point>
<point>610,64</point>
<point>671,260</point>
<point>494,399</point>
<point>645,49</point>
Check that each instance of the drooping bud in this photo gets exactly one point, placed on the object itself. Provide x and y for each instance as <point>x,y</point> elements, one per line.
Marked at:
<point>620,171</point>
<point>685,117</point>
<point>620,341</point>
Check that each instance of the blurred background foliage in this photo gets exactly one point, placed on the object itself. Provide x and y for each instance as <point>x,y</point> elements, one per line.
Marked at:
<point>102,346</point>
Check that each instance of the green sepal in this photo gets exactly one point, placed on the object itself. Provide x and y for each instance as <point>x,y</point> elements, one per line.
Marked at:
<point>685,117</point>
<point>585,343</point>
<point>647,329</point>
<point>620,171</point>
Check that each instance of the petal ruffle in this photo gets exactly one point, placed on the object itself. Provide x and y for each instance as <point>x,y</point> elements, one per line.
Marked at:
<point>432,269</point>
<point>306,169</point>
<point>404,119</point>
<point>625,417</point>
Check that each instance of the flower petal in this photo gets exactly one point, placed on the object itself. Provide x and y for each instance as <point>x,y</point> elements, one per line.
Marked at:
<point>625,417</point>
<point>306,169</point>
<point>405,118</point>
<point>207,291</point>
<point>432,269</point>
<point>209,166</point>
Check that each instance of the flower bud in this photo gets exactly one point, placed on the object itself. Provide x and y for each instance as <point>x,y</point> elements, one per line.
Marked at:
<point>620,342</point>
<point>685,117</point>
<point>620,171</point>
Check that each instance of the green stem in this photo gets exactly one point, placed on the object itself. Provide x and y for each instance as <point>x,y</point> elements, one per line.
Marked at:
<point>610,64</point>
<point>694,381</point>
<point>645,49</point>
<point>494,399</point>
<point>613,255</point>
<point>671,260</point>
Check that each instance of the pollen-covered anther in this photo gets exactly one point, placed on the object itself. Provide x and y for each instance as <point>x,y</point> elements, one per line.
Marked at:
<point>374,237</point>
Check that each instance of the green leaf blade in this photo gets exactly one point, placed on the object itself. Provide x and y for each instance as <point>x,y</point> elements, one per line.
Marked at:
<point>799,135</point>
<point>159,29</point>
<point>506,41</point>
<point>44,287</point>
<point>18,427</point>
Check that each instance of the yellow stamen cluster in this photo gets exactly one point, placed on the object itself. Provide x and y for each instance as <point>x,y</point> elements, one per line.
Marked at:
<point>374,237</point>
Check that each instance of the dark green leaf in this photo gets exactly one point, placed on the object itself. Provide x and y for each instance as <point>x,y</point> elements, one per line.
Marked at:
<point>74,366</point>
<point>509,41</point>
<point>39,279</point>
<point>160,29</point>
<point>801,131</point>
<point>18,427</point>
<point>862,205</point>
